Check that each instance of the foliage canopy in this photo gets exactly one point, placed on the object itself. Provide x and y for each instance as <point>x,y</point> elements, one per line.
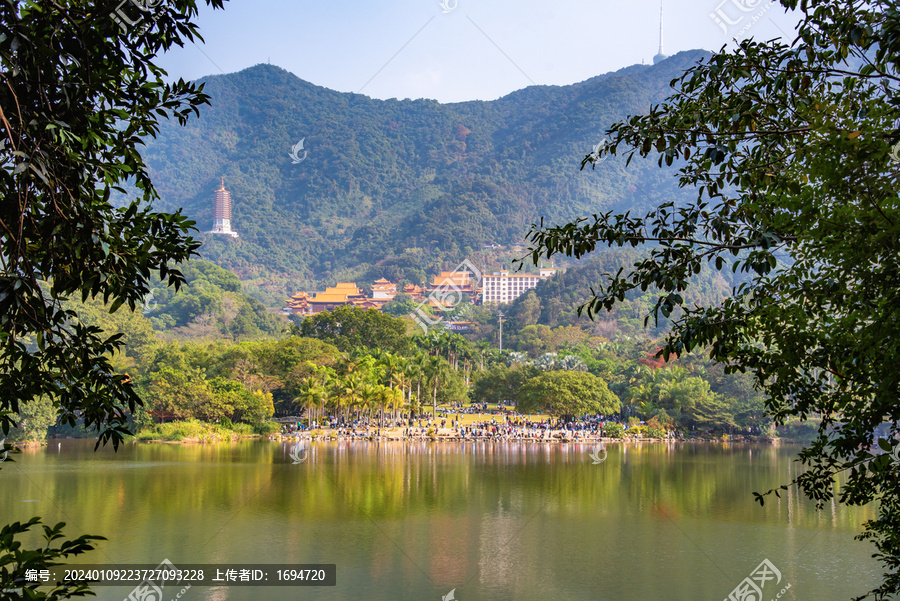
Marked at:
<point>792,153</point>
<point>79,93</point>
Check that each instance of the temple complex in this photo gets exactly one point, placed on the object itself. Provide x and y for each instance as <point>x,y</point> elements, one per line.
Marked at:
<point>447,290</point>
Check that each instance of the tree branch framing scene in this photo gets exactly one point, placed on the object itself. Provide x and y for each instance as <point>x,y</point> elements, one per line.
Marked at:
<point>501,308</point>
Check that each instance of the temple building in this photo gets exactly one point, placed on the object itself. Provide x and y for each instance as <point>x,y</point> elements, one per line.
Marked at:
<point>383,289</point>
<point>416,292</point>
<point>222,213</point>
<point>455,280</point>
<point>343,293</point>
<point>299,303</point>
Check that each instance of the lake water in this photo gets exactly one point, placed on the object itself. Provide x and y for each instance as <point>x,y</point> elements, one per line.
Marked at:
<point>412,521</point>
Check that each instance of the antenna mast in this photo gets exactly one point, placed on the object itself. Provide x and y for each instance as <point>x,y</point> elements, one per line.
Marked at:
<point>661,27</point>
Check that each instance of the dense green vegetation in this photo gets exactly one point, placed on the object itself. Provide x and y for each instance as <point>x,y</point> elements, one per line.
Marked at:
<point>211,304</point>
<point>354,362</point>
<point>791,152</point>
<point>395,188</point>
<point>79,94</point>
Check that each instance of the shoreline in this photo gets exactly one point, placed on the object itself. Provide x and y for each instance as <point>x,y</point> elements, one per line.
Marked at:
<point>447,435</point>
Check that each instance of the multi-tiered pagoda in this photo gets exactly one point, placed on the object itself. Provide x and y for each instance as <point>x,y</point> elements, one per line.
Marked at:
<point>222,213</point>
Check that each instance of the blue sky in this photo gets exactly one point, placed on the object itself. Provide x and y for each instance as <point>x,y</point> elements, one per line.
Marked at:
<point>465,49</point>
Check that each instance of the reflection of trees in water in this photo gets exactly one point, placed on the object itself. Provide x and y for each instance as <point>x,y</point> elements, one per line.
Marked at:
<point>460,486</point>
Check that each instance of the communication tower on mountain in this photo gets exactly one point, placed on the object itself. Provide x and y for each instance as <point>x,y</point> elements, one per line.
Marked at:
<point>660,56</point>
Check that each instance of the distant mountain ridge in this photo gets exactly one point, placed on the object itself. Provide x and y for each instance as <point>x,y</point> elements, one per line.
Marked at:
<point>398,188</point>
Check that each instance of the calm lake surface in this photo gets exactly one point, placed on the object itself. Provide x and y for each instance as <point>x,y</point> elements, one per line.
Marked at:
<point>411,521</point>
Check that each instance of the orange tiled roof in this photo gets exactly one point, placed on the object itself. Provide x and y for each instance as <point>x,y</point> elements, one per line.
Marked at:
<point>460,278</point>
<point>330,298</point>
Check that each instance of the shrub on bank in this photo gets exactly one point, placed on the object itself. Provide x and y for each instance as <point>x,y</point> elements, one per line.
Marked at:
<point>263,428</point>
<point>194,429</point>
<point>614,430</point>
<point>637,431</point>
<point>799,431</point>
<point>656,432</point>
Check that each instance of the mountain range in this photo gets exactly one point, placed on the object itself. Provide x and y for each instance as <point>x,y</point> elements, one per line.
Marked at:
<point>398,188</point>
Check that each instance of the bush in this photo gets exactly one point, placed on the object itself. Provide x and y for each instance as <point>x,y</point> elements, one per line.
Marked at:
<point>265,428</point>
<point>177,431</point>
<point>800,431</point>
<point>637,431</point>
<point>656,432</point>
<point>34,419</point>
<point>76,431</point>
<point>244,429</point>
<point>614,430</point>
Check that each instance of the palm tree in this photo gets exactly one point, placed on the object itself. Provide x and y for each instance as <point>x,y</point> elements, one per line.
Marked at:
<point>349,388</point>
<point>390,363</point>
<point>435,370</point>
<point>482,346</point>
<point>387,396</point>
<point>417,371</point>
<point>401,379</point>
<point>394,398</point>
<point>369,395</point>
<point>312,396</point>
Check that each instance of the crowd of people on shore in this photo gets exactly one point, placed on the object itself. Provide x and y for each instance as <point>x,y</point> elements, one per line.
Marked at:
<point>499,425</point>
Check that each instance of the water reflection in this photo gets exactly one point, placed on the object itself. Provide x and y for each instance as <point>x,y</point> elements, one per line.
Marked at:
<point>412,520</point>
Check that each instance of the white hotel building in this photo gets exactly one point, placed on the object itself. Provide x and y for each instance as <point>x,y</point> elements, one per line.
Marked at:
<point>502,288</point>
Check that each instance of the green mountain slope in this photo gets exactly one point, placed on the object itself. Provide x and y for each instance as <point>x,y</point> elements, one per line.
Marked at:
<point>390,187</point>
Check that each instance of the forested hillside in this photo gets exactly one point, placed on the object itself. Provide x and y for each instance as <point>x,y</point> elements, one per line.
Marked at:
<point>398,187</point>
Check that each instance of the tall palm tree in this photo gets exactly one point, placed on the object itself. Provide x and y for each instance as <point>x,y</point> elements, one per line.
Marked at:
<point>436,371</point>
<point>401,379</point>
<point>369,396</point>
<point>312,396</point>
<point>391,364</point>
<point>391,397</point>
<point>481,347</point>
<point>418,366</point>
<point>349,390</point>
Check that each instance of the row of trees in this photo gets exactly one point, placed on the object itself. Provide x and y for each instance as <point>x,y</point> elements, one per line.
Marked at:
<point>337,363</point>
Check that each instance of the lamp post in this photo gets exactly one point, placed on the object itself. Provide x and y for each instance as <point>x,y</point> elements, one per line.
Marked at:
<point>500,317</point>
